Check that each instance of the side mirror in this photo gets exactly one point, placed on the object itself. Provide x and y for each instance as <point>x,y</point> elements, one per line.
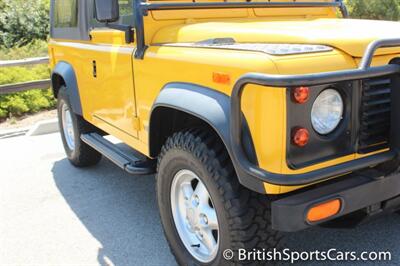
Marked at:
<point>106,10</point>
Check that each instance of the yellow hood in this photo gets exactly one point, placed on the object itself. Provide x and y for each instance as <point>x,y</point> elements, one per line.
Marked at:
<point>349,35</point>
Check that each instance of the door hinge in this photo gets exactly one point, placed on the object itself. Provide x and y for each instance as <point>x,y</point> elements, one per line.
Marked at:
<point>136,123</point>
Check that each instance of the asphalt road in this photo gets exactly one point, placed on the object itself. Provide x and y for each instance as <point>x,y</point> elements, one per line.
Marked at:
<point>54,214</point>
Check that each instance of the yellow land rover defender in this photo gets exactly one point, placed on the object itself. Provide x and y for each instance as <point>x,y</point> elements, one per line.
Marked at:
<point>257,117</point>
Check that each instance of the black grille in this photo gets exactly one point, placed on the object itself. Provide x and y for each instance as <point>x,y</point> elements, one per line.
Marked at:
<point>375,115</point>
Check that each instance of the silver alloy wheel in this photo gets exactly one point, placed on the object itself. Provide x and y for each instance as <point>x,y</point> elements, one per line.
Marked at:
<point>195,216</point>
<point>68,127</point>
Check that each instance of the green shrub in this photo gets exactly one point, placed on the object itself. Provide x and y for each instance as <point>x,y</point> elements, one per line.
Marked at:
<point>374,9</point>
<point>31,101</point>
<point>22,22</point>
<point>3,113</point>
<point>35,49</point>
<point>16,105</point>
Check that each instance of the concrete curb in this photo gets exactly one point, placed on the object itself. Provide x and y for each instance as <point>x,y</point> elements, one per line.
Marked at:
<point>15,132</point>
<point>40,128</point>
<point>44,127</point>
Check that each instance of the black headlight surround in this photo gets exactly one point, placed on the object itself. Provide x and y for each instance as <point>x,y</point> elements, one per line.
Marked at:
<point>321,148</point>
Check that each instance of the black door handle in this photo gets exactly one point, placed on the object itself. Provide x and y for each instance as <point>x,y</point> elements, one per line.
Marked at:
<point>94,69</point>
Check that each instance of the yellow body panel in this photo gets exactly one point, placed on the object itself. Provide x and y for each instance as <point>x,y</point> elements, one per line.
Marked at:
<point>349,35</point>
<point>119,100</point>
<point>108,100</point>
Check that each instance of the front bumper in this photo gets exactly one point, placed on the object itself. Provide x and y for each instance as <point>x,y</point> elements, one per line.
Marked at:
<point>252,176</point>
<point>356,192</point>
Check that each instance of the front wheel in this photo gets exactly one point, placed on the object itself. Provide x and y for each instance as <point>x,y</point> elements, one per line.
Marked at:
<point>203,208</point>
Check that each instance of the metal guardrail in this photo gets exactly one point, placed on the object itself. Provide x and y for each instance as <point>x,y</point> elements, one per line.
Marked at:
<point>24,86</point>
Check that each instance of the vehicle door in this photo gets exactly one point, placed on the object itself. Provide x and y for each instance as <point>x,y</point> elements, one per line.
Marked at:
<point>112,89</point>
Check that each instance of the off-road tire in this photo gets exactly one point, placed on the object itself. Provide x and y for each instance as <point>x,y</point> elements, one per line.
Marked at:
<point>244,216</point>
<point>82,155</point>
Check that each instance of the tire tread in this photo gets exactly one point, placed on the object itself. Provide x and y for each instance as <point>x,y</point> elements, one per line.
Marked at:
<point>249,213</point>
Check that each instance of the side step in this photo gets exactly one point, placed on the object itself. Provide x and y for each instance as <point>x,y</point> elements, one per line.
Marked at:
<point>120,158</point>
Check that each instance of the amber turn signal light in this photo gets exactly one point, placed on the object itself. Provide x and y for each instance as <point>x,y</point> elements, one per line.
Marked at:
<point>300,136</point>
<point>324,210</point>
<point>301,94</point>
<point>221,78</point>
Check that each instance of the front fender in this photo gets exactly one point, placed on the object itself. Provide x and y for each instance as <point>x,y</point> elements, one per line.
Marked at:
<point>213,108</point>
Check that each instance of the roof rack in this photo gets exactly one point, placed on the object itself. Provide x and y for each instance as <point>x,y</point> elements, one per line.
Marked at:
<point>145,6</point>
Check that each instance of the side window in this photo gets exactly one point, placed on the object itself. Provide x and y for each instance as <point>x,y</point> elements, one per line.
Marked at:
<point>125,13</point>
<point>125,8</point>
<point>65,14</point>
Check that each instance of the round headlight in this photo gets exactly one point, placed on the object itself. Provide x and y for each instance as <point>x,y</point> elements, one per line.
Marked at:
<point>327,111</point>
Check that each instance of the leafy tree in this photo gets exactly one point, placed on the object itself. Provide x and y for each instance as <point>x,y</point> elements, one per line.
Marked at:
<point>22,22</point>
<point>374,9</point>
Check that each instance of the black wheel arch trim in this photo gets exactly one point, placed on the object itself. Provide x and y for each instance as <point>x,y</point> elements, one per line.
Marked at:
<point>67,73</point>
<point>213,108</point>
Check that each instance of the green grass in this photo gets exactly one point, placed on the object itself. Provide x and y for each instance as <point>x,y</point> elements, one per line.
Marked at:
<point>18,104</point>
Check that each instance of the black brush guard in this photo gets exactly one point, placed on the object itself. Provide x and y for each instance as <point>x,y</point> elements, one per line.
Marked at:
<point>359,191</point>
<point>248,170</point>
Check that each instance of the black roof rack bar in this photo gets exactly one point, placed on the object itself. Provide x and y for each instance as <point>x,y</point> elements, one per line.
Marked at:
<point>216,5</point>
<point>141,9</point>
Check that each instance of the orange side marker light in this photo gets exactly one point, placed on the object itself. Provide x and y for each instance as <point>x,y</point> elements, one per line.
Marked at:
<point>221,78</point>
<point>324,210</point>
